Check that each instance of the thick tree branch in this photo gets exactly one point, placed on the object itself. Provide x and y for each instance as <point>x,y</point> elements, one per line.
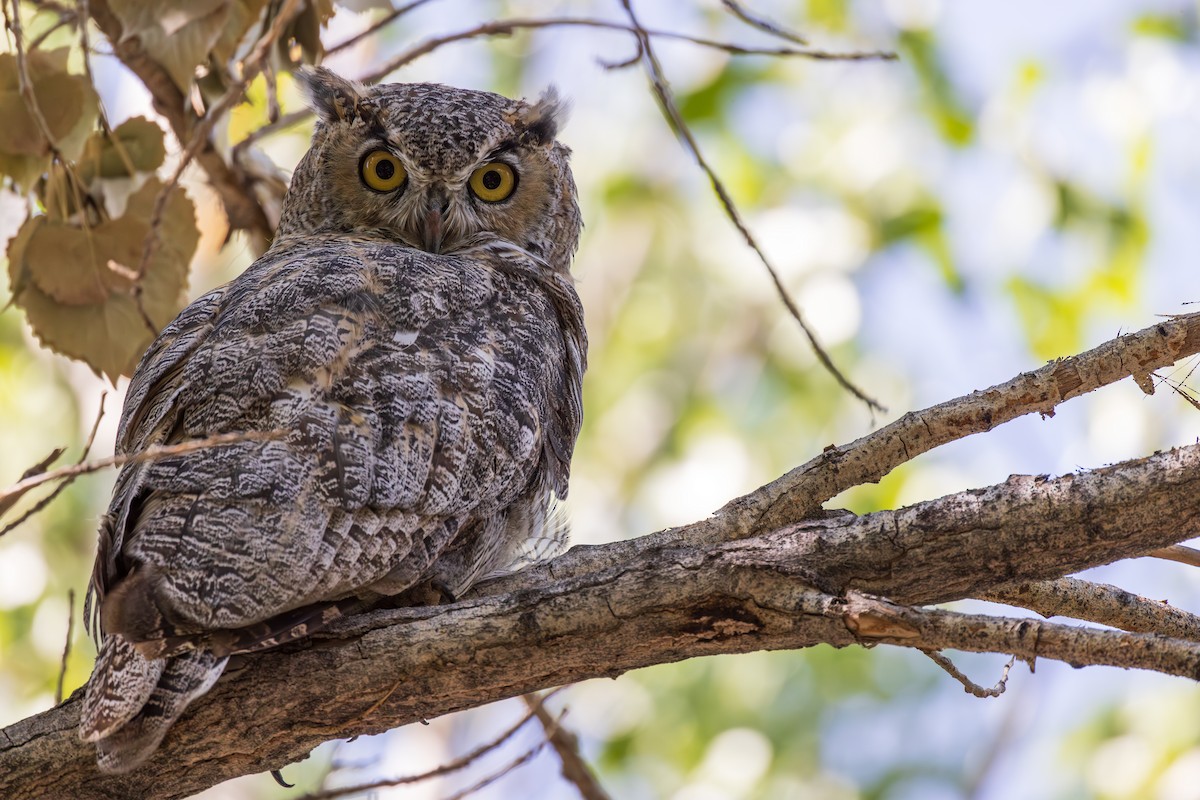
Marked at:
<point>600,611</point>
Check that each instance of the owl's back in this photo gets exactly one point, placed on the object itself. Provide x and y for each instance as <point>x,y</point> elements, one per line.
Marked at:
<point>410,405</point>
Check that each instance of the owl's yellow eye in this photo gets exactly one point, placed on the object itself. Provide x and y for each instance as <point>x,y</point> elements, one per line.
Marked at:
<point>493,182</point>
<point>382,171</point>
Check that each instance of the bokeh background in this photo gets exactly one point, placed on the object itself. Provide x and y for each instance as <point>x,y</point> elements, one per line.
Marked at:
<point>1022,184</point>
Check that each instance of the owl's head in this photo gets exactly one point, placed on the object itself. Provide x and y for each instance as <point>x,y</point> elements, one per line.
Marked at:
<point>436,168</point>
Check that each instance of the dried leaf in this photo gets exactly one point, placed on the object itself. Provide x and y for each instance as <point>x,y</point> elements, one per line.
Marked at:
<point>137,138</point>
<point>67,102</point>
<point>242,15</point>
<point>178,34</point>
<point>305,29</point>
<point>60,260</point>
<point>58,194</point>
<point>76,285</point>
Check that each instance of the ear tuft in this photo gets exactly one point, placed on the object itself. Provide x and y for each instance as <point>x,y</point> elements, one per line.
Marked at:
<point>539,123</point>
<point>334,98</point>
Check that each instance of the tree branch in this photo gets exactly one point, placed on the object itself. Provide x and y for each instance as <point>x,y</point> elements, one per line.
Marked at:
<point>1102,603</point>
<point>800,493</point>
<point>600,611</point>
<point>231,185</point>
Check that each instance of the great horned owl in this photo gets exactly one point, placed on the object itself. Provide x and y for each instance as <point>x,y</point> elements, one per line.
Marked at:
<point>410,348</point>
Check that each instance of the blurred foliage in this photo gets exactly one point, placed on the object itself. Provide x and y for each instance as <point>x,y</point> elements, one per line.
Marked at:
<point>925,215</point>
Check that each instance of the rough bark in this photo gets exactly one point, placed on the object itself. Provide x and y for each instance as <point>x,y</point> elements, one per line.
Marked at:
<point>756,576</point>
<point>584,616</point>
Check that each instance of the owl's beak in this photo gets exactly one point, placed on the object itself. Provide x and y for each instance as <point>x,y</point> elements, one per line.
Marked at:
<point>433,230</point>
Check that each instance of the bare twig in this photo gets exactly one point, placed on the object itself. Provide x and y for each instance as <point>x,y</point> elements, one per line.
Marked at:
<point>482,784</point>
<point>969,685</point>
<point>566,744</point>
<point>761,23</point>
<point>286,121</point>
<point>6,503</point>
<point>449,767</point>
<point>1180,553</point>
<point>508,26</point>
<point>18,489</point>
<point>65,17</point>
<point>268,71</point>
<point>876,619</point>
<point>670,109</point>
<point>386,20</point>
<point>62,671</point>
<point>41,466</point>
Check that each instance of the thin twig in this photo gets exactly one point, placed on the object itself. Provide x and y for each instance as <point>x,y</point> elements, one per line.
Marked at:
<point>508,26</point>
<point>268,72</point>
<point>284,122</point>
<point>61,22</point>
<point>874,619</point>
<point>675,119</point>
<point>381,23</point>
<point>45,501</point>
<point>62,672</point>
<point>761,23</point>
<point>566,744</point>
<point>456,765</point>
<point>969,685</point>
<point>85,15</point>
<point>1180,553</point>
<point>41,466</point>
<point>482,784</point>
<point>18,489</point>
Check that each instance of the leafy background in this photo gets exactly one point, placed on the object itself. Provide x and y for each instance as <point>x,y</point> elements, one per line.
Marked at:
<point>1021,185</point>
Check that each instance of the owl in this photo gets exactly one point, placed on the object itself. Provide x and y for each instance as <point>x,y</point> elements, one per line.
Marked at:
<point>398,383</point>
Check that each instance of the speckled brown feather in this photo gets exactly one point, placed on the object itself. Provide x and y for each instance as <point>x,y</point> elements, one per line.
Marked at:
<point>426,405</point>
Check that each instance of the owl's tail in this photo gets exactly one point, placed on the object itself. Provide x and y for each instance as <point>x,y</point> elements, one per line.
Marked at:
<point>132,700</point>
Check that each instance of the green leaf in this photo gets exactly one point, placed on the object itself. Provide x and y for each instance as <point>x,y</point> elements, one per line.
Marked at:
<point>947,110</point>
<point>1164,26</point>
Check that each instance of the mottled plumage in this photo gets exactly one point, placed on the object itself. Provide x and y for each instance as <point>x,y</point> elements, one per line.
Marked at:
<point>408,362</point>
